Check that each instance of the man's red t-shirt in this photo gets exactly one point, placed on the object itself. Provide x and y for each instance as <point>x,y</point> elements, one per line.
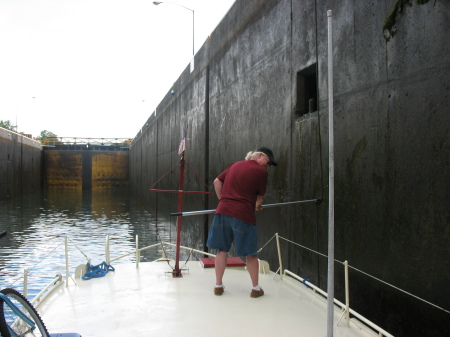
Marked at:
<point>242,182</point>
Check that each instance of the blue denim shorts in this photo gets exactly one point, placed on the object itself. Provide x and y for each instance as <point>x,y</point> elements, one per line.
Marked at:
<point>226,229</point>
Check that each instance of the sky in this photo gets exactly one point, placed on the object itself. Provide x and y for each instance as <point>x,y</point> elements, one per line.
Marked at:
<point>95,68</point>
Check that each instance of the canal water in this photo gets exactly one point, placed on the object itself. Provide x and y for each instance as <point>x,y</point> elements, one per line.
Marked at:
<point>37,225</point>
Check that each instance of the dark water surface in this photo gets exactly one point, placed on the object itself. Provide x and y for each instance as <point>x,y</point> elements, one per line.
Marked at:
<point>37,225</point>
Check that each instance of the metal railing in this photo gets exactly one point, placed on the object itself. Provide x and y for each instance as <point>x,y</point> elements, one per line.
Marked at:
<point>345,307</point>
<point>138,251</point>
<point>55,141</point>
<point>44,293</point>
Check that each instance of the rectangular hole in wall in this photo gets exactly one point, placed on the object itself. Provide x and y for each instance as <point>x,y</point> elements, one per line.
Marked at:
<point>306,81</point>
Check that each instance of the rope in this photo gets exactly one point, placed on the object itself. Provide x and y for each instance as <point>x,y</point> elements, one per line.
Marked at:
<point>165,174</point>
<point>187,259</point>
<point>29,270</point>
<point>99,270</point>
<point>403,291</point>
<point>311,250</point>
<point>78,248</point>
<point>260,249</point>
<point>196,174</point>
<point>34,266</point>
<point>156,220</point>
<point>362,272</point>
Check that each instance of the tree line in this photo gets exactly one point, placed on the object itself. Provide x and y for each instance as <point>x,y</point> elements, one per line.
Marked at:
<point>11,127</point>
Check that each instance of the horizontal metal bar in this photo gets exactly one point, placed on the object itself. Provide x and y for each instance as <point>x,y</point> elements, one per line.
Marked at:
<point>180,191</point>
<point>49,288</point>
<point>318,201</point>
<point>209,211</point>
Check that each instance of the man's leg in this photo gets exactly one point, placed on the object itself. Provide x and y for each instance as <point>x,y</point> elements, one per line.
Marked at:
<point>253,268</point>
<point>221,264</point>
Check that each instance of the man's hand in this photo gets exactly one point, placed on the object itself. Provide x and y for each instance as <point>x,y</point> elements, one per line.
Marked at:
<point>259,202</point>
<point>218,187</point>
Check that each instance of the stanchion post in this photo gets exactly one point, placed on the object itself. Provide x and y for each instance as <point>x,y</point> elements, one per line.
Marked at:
<point>279,255</point>
<point>66,248</point>
<point>138,253</point>
<point>347,294</point>
<point>25,282</point>
<point>107,251</point>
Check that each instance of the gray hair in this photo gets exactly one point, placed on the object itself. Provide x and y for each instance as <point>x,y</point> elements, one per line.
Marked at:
<point>252,154</point>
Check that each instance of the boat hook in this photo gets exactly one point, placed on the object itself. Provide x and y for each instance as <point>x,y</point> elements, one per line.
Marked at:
<point>208,211</point>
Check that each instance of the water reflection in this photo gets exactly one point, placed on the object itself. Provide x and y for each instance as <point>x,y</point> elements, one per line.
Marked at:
<point>37,225</point>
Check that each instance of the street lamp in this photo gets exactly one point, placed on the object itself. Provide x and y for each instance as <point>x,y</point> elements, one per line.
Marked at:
<point>156,3</point>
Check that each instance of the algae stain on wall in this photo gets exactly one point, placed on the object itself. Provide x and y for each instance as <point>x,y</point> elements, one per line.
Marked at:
<point>67,169</point>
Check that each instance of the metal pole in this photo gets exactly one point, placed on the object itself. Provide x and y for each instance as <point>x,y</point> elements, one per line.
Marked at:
<point>279,256</point>
<point>208,211</point>
<point>138,253</point>
<point>347,294</point>
<point>25,282</point>
<point>193,35</point>
<point>330,288</point>
<point>177,271</point>
<point>66,240</point>
<point>193,29</point>
<point>107,251</point>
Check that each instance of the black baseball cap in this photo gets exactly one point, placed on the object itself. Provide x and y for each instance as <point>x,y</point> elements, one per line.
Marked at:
<point>269,153</point>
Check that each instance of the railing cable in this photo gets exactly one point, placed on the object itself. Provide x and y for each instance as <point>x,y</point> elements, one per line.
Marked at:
<point>362,272</point>
<point>87,258</point>
<point>36,264</point>
<point>399,289</point>
<point>311,250</point>
<point>273,237</point>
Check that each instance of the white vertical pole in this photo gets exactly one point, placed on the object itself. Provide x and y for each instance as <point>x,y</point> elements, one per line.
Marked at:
<point>138,253</point>
<point>25,281</point>
<point>330,290</point>
<point>107,250</point>
<point>347,295</point>
<point>279,255</point>
<point>66,245</point>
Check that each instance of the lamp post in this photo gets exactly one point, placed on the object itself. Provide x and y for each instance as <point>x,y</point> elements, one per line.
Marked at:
<point>156,3</point>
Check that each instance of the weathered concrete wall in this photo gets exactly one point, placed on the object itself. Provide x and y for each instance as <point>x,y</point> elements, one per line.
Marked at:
<point>110,169</point>
<point>85,169</point>
<point>251,87</point>
<point>20,165</point>
<point>63,169</point>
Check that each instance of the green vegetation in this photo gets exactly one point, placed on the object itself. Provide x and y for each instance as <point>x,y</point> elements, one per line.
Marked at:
<point>42,137</point>
<point>391,20</point>
<point>7,125</point>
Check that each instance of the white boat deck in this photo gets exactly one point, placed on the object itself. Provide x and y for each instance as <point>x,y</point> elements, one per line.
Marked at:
<point>150,302</point>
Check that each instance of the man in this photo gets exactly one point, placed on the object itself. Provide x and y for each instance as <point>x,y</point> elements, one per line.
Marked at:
<point>240,189</point>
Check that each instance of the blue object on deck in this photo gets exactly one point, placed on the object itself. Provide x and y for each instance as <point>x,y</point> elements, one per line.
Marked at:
<point>306,280</point>
<point>99,270</point>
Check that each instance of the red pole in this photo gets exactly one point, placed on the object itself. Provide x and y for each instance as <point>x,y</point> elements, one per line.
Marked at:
<point>177,271</point>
